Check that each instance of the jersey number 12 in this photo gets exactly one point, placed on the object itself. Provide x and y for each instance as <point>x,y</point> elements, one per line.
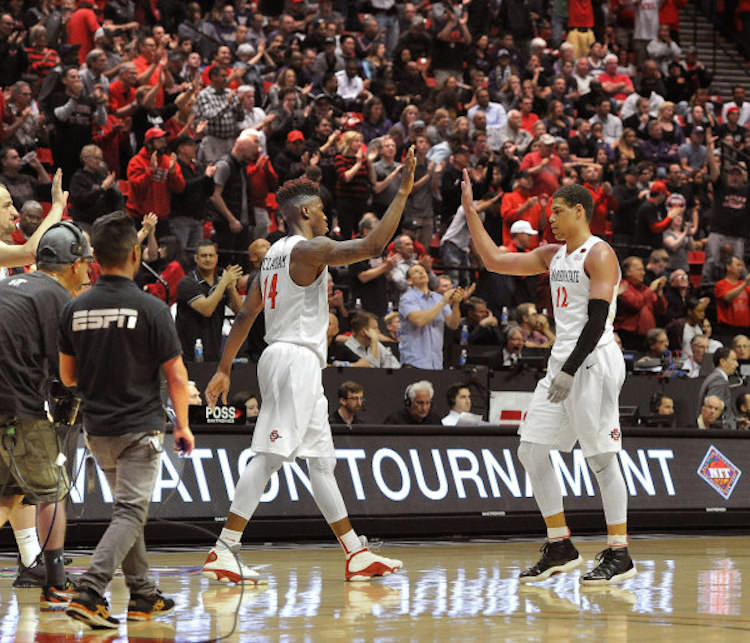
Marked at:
<point>270,294</point>
<point>561,290</point>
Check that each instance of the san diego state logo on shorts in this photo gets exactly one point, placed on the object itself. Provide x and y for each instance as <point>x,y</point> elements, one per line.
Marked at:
<point>615,434</point>
<point>274,436</point>
<point>719,472</point>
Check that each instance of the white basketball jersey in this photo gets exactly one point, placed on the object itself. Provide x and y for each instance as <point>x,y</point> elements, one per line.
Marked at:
<point>569,285</point>
<point>294,314</point>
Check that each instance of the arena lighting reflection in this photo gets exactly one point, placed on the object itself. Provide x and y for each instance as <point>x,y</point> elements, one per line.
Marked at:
<point>297,598</point>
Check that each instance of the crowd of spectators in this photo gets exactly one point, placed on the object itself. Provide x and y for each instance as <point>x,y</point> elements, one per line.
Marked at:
<point>196,112</point>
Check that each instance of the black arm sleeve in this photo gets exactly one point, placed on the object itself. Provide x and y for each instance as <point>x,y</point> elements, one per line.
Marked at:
<point>589,337</point>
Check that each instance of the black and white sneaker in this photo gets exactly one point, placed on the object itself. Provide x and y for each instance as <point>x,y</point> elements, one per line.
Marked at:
<point>558,556</point>
<point>35,575</point>
<point>615,565</point>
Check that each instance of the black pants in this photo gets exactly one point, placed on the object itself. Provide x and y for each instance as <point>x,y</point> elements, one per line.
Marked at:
<point>232,245</point>
<point>349,212</point>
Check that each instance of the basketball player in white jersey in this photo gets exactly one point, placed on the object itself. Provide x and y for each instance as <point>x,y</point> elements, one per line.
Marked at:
<point>293,422</point>
<point>578,398</point>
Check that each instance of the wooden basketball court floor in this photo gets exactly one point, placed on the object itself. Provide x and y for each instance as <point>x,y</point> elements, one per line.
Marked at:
<point>694,588</point>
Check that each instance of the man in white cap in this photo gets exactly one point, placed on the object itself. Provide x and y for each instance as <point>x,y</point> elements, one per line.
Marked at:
<point>522,234</point>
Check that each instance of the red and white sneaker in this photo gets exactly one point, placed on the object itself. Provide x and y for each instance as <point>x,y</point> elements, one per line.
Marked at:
<point>224,566</point>
<point>363,565</point>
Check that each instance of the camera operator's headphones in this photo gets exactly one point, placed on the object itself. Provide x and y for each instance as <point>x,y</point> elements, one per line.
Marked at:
<point>51,243</point>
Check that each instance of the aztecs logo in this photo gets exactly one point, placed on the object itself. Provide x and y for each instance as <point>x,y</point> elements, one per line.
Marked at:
<point>719,472</point>
<point>274,435</point>
<point>615,434</point>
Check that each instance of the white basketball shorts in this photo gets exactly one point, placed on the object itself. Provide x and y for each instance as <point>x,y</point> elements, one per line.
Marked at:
<point>591,412</point>
<point>293,419</point>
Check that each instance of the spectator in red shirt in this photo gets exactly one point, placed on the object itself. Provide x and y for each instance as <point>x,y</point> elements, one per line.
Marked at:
<point>520,205</point>
<point>614,85</point>
<point>122,101</point>
<point>580,26</point>
<point>153,177</point>
<point>732,299</point>
<point>669,14</point>
<point>223,58</point>
<point>545,167</point>
<point>604,200</point>
<point>528,118</point>
<point>263,180</point>
<point>109,137</point>
<point>638,304</point>
<point>184,123</point>
<point>149,64</point>
<point>81,28</point>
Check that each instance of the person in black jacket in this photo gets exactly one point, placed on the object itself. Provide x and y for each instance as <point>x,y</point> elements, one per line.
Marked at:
<point>629,198</point>
<point>12,53</point>
<point>93,190</point>
<point>483,326</point>
<point>189,206</point>
<point>73,117</point>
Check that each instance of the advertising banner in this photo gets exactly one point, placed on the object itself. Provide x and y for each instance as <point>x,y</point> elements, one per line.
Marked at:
<point>438,472</point>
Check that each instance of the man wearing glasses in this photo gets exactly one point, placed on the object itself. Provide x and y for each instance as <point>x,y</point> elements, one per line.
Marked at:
<point>351,400</point>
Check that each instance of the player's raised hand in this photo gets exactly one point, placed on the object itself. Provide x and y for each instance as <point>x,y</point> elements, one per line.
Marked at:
<point>467,193</point>
<point>217,388</point>
<point>407,175</point>
<point>59,197</point>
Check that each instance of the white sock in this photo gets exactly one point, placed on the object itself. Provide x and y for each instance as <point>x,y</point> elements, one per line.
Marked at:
<point>617,540</point>
<point>557,533</point>
<point>350,542</point>
<point>230,537</point>
<point>28,545</point>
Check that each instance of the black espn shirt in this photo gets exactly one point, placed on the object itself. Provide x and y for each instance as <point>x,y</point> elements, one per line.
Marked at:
<point>120,337</point>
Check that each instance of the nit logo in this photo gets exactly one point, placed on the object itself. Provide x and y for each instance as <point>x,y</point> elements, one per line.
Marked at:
<point>615,434</point>
<point>719,472</point>
<point>274,436</point>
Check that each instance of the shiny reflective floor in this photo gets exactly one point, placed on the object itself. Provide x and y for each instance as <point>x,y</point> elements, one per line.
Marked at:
<point>688,589</point>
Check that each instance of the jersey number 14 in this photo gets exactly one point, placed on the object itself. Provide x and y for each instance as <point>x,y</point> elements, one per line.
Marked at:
<point>270,294</point>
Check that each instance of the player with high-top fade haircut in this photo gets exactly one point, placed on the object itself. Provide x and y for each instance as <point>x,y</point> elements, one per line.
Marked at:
<point>577,400</point>
<point>291,289</point>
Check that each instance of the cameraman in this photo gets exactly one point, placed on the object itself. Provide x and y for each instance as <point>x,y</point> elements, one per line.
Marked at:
<point>123,419</point>
<point>30,308</point>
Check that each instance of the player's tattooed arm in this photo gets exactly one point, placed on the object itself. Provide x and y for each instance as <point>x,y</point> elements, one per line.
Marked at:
<point>499,258</point>
<point>322,251</point>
